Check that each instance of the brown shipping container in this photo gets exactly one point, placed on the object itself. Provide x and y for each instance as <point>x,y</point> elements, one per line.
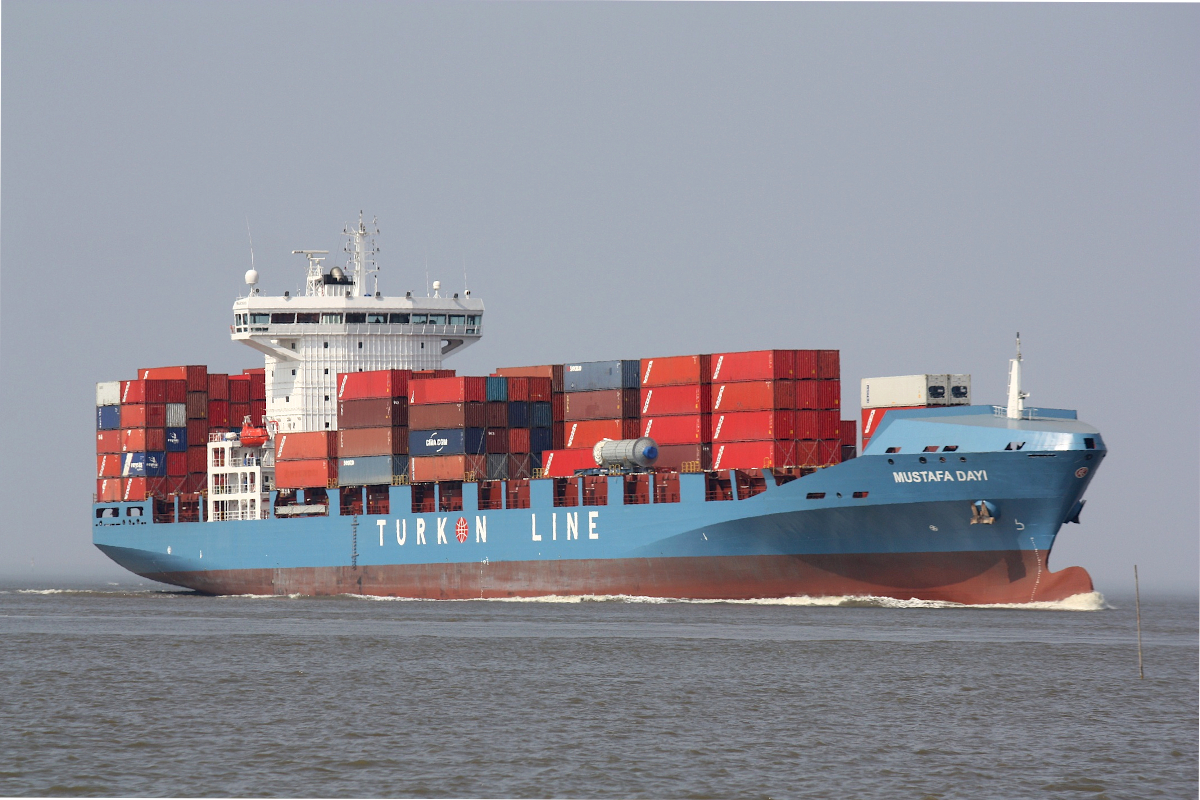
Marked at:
<point>197,405</point>
<point>849,433</point>
<point>558,404</point>
<point>447,415</point>
<point>306,446</point>
<point>519,466</point>
<point>196,376</point>
<point>674,456</point>
<point>495,440</point>
<point>828,364</point>
<point>196,482</point>
<point>197,432</point>
<point>239,389</point>
<point>603,404</point>
<point>151,415</point>
<point>177,465</point>
<point>359,442</point>
<point>373,412</point>
<point>176,392</point>
<point>552,371</point>
<point>819,395</point>
<point>496,414</point>
<point>258,382</point>
<point>540,390</point>
<point>754,396</point>
<point>660,401</point>
<point>373,384</point>
<point>218,386</point>
<point>197,458</point>
<point>108,441</point>
<point>676,370</point>
<point>427,469</point>
<point>755,365</point>
<point>518,440</point>
<point>258,412</point>
<point>305,474</point>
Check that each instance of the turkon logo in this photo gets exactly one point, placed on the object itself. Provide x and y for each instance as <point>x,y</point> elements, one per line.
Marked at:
<point>649,425</point>
<point>717,461</point>
<point>282,442</point>
<point>720,422</point>
<point>720,394</point>
<point>717,371</point>
<point>649,394</point>
<point>649,366</point>
<point>342,388</point>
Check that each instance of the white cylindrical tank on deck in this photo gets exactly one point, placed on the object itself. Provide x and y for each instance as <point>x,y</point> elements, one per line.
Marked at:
<point>641,452</point>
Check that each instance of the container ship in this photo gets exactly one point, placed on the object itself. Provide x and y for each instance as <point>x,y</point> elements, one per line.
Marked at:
<point>353,462</point>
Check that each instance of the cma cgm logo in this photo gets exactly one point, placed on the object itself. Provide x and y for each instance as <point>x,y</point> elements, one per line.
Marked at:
<point>437,442</point>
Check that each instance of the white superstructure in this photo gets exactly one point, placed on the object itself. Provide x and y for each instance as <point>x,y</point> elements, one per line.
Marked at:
<point>340,326</point>
<point>239,479</point>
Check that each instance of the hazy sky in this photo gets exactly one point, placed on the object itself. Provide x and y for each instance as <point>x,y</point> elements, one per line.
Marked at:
<point>910,184</point>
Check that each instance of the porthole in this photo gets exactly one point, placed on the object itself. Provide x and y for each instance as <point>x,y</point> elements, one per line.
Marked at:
<point>923,460</point>
<point>942,459</point>
<point>890,461</point>
<point>962,459</point>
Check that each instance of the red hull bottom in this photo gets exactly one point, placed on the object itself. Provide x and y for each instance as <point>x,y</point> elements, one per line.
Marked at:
<point>973,578</point>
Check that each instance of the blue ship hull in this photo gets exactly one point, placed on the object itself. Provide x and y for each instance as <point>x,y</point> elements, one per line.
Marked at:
<point>896,524</point>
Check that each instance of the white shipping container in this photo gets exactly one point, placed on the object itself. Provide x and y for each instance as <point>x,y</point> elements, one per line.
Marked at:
<point>960,390</point>
<point>905,390</point>
<point>108,393</point>
<point>176,415</point>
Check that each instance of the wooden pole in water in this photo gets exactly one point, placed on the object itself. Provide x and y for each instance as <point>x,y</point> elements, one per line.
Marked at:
<point>1137,603</point>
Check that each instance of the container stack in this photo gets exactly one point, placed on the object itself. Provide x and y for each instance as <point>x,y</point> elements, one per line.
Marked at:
<point>676,402</point>
<point>187,427</point>
<point>373,423</point>
<point>447,424</point>
<point>818,407</point>
<point>108,441</point>
<point>898,392</point>
<point>599,401</point>
<point>306,460</point>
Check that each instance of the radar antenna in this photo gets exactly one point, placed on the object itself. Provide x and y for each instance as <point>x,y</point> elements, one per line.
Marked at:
<point>315,285</point>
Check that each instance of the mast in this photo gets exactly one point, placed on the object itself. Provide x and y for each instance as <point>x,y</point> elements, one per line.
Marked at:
<point>361,250</point>
<point>1016,397</point>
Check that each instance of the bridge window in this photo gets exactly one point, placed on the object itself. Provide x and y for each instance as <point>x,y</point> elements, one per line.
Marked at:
<point>260,319</point>
<point>398,319</point>
<point>458,319</point>
<point>331,319</point>
<point>419,319</point>
<point>437,319</point>
<point>472,319</point>
<point>376,319</point>
<point>354,317</point>
<point>282,319</point>
<point>310,319</point>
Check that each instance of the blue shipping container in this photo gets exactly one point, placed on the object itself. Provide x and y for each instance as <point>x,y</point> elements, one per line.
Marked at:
<point>366,470</point>
<point>497,389</point>
<point>594,376</point>
<point>540,415</point>
<point>144,465</point>
<point>177,440</point>
<point>518,414</point>
<point>449,442</point>
<point>540,439</point>
<point>108,418</point>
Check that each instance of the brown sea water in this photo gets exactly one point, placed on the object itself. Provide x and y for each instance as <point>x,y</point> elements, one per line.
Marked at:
<point>132,690</point>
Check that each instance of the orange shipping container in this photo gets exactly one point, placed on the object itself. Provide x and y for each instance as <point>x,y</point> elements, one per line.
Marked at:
<point>585,434</point>
<point>753,396</point>
<point>373,384</point>
<point>306,474</point>
<point>108,465</point>
<point>745,426</point>
<point>144,415</point>
<point>563,463</point>
<point>681,429</point>
<point>140,391</point>
<point>448,390</point>
<point>108,441</point>
<point>133,489</point>
<point>676,370</point>
<point>362,442</point>
<point>683,399</point>
<point>427,469</point>
<point>305,446</point>
<point>139,440</point>
<point>108,490</point>
<point>754,365</point>
<point>196,376</point>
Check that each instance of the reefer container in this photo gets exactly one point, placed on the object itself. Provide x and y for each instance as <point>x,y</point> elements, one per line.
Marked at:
<point>753,396</point>
<point>563,463</point>
<point>447,390</point>
<point>601,404</point>
<point>447,415</point>
<point>353,442</point>
<point>755,365</point>
<point>373,412</point>
<point>960,390</point>
<point>448,441</point>
<point>305,446</point>
<point>681,429</point>
<point>906,390</point>
<point>373,384</point>
<point>306,474</point>
<point>744,426</point>
<point>108,393</point>
<point>676,370</point>
<point>196,376</point>
<point>658,401</point>
<point>591,376</point>
<point>108,418</point>
<point>753,455</point>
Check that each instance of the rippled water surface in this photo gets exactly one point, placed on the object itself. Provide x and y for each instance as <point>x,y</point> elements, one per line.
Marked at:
<point>129,690</point>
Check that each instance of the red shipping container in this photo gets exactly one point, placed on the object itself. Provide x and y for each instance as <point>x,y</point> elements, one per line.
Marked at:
<point>108,465</point>
<point>754,396</point>
<point>373,412</point>
<point>676,370</point>
<point>603,404</point>
<point>197,431</point>
<point>140,391</point>
<point>808,453</point>
<point>745,426</point>
<point>552,371</point>
<point>218,414</point>
<point>518,440</point>
<point>139,440</point>
<point>675,456</point>
<point>197,458</point>
<point>196,376</point>
<point>558,436</point>
<point>755,365</point>
<point>830,451</point>
<point>806,364</point>
<point>829,365</point>
<point>307,446</point>
<point>360,442</point>
<point>108,490</point>
<point>258,383</point>
<point>428,469</point>
<point>314,473</point>
<point>448,390</point>
<point>374,384</point>
<point>237,414</point>
<point>518,389</point>
<point>434,416</point>
<point>176,392</point>
<point>540,390</point>
<point>495,414</point>
<point>753,455</point>
<point>808,425</point>
<point>563,463</point>
<point>108,441</point>
<point>144,415</point>
<point>177,466</point>
<point>558,405</point>
<point>519,466</point>
<point>239,389</point>
<point>829,425</point>
<point>681,429</point>
<point>426,374</point>
<point>819,395</point>
<point>669,400</point>
<point>495,440</point>
<point>849,433</point>
<point>133,490</point>
<point>196,482</point>
<point>218,386</point>
<point>197,405</point>
<point>585,434</point>
<point>258,411</point>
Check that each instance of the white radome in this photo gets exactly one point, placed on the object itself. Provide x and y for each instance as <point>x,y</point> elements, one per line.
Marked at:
<point>251,277</point>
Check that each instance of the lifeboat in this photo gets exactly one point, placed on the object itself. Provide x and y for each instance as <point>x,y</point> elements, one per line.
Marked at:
<point>253,436</point>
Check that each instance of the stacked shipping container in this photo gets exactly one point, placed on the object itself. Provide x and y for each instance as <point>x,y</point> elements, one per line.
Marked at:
<point>373,426</point>
<point>676,410</point>
<point>753,409</point>
<point>599,401</point>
